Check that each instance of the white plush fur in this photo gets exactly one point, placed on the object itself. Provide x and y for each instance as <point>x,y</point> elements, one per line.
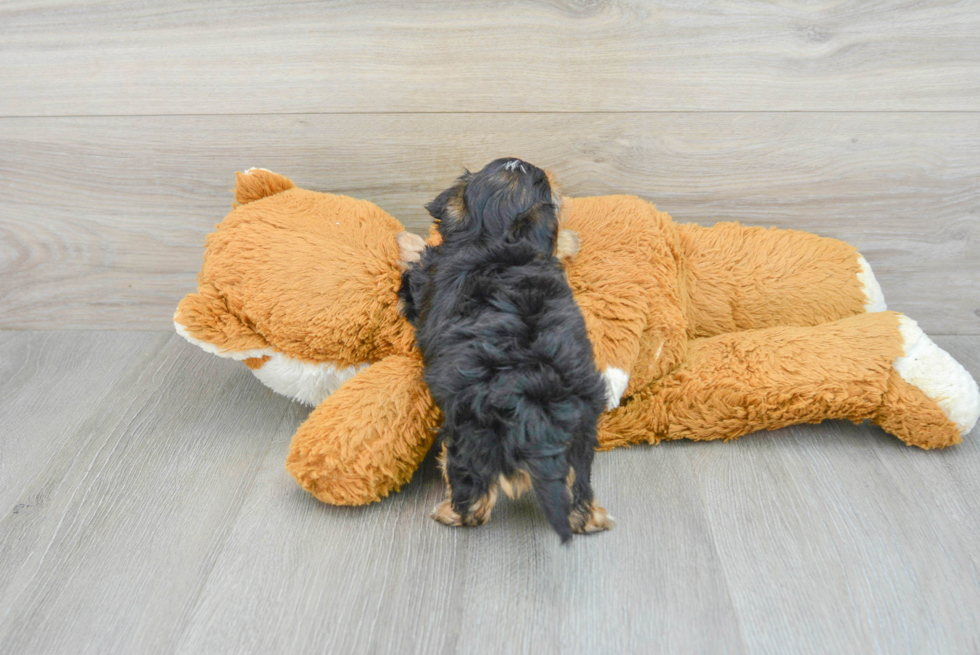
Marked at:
<point>214,350</point>
<point>872,290</point>
<point>616,382</point>
<point>307,382</point>
<point>941,377</point>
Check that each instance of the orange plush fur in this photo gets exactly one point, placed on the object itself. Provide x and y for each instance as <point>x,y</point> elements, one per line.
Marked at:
<point>721,331</point>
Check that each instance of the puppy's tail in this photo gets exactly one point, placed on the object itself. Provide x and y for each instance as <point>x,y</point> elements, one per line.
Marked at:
<point>553,497</point>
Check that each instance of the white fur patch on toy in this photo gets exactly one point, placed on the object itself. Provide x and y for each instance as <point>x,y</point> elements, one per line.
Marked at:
<point>940,377</point>
<point>872,290</point>
<point>237,355</point>
<point>306,382</point>
<point>248,171</point>
<point>616,380</point>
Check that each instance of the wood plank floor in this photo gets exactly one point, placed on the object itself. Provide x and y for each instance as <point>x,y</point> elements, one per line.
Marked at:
<point>250,56</point>
<point>99,234</point>
<point>145,509</point>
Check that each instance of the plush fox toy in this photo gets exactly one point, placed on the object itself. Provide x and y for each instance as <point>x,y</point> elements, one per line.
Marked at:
<point>700,333</point>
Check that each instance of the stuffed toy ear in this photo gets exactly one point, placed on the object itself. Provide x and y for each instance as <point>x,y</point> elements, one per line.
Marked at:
<point>368,438</point>
<point>257,183</point>
<point>203,318</point>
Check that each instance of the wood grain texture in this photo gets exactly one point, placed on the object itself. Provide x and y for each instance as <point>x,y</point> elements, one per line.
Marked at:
<point>46,391</point>
<point>62,58</point>
<point>386,579</point>
<point>108,543</point>
<point>163,522</point>
<point>103,218</point>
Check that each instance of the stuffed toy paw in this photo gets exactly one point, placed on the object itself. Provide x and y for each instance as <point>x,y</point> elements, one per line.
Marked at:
<point>700,333</point>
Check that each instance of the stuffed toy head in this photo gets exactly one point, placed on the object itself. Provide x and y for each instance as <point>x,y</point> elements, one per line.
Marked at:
<point>301,286</point>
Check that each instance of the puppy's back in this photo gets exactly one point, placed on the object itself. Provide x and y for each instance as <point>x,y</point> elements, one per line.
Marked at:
<point>509,361</point>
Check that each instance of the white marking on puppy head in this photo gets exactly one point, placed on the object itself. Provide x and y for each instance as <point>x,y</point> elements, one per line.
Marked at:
<point>514,164</point>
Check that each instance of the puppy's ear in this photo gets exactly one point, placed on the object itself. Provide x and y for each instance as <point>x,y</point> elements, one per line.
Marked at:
<point>449,207</point>
<point>537,226</point>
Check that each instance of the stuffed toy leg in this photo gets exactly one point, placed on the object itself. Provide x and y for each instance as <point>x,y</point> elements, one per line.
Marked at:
<point>738,377</point>
<point>855,368</point>
<point>699,332</point>
<point>367,439</point>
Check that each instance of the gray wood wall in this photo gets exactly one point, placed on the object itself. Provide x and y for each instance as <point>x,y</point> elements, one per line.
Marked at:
<point>121,126</point>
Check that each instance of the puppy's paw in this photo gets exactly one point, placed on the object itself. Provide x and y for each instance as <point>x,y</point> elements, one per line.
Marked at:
<point>445,514</point>
<point>616,380</point>
<point>592,519</point>
<point>568,244</point>
<point>479,511</point>
<point>410,247</point>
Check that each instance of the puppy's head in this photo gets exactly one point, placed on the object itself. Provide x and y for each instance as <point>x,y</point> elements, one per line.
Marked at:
<point>508,200</point>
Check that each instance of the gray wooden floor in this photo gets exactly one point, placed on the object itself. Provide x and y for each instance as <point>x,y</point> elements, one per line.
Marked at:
<point>144,507</point>
<point>146,510</point>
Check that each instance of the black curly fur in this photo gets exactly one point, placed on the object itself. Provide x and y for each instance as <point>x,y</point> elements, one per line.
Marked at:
<point>506,353</point>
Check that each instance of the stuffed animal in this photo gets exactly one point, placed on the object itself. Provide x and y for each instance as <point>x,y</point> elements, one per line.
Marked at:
<point>700,333</point>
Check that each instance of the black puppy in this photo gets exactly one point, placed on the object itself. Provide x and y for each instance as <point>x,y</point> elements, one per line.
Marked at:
<point>506,354</point>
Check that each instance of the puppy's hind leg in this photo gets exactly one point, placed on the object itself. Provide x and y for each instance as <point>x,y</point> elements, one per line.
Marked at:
<point>479,509</point>
<point>586,515</point>
<point>469,500</point>
<point>444,512</point>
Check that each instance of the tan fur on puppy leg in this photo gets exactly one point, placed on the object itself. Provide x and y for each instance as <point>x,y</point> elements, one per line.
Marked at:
<point>441,459</point>
<point>516,485</point>
<point>480,510</point>
<point>479,513</point>
<point>567,245</point>
<point>445,514</point>
<point>410,247</point>
<point>591,519</point>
